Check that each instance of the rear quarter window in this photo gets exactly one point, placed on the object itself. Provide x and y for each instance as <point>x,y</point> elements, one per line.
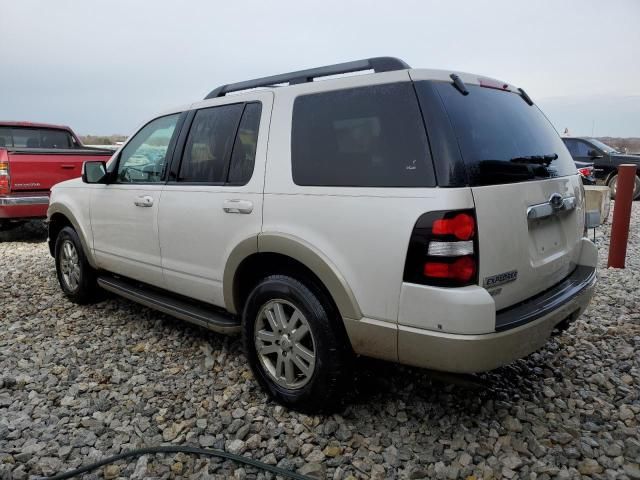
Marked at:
<point>361,137</point>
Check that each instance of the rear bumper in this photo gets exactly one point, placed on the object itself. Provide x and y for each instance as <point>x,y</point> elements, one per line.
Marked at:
<point>16,207</point>
<point>478,353</point>
<point>459,330</point>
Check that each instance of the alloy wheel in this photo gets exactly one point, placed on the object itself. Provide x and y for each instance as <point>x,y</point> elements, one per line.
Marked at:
<point>70,265</point>
<point>285,345</point>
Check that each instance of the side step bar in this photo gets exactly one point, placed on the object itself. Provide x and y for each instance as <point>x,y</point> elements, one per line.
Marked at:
<point>194,312</point>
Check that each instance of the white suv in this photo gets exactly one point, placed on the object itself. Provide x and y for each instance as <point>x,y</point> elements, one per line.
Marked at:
<point>417,216</point>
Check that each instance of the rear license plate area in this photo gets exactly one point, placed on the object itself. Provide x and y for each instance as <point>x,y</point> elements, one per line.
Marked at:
<point>547,239</point>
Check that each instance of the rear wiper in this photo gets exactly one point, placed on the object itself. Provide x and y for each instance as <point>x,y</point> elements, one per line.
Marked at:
<point>536,159</point>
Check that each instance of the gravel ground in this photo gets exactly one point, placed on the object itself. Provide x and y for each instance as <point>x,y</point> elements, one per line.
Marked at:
<point>79,383</point>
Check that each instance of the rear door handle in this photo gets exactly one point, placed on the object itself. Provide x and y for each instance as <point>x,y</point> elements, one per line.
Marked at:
<point>68,167</point>
<point>143,201</point>
<point>237,206</point>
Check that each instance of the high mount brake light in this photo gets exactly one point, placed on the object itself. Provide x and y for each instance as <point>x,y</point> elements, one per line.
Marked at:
<point>443,250</point>
<point>489,83</point>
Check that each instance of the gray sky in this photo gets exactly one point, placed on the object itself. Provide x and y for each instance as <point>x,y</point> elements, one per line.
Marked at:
<point>103,66</point>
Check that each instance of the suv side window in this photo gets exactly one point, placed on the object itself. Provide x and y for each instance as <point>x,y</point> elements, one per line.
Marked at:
<point>143,159</point>
<point>209,144</point>
<point>370,136</point>
<point>244,149</point>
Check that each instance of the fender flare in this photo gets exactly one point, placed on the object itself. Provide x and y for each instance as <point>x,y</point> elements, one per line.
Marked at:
<point>59,208</point>
<point>303,252</point>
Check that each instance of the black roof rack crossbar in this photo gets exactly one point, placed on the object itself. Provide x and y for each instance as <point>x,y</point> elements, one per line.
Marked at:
<point>377,64</point>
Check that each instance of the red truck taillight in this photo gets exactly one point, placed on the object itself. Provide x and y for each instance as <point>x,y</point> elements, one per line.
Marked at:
<point>443,250</point>
<point>4,178</point>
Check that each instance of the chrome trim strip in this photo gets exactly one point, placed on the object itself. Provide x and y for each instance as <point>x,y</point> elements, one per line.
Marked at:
<point>546,209</point>
<point>35,200</point>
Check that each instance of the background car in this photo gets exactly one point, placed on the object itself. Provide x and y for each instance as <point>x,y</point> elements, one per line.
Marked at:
<point>605,161</point>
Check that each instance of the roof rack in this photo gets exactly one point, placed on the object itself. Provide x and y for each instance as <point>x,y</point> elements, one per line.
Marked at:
<point>377,64</point>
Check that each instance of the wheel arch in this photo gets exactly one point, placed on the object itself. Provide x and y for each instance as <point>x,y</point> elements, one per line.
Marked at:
<point>61,216</point>
<point>285,252</point>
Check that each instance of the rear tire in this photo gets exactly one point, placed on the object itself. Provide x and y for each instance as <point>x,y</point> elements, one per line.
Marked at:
<point>76,277</point>
<point>295,351</point>
<point>613,184</point>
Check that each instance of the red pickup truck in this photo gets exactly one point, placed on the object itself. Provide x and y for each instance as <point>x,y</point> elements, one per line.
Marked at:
<point>33,158</point>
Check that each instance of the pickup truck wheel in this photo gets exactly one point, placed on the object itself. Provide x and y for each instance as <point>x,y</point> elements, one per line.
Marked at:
<point>295,353</point>
<point>613,186</point>
<point>77,278</point>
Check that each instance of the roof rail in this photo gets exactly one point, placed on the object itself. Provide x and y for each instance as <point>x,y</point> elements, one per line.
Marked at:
<point>377,64</point>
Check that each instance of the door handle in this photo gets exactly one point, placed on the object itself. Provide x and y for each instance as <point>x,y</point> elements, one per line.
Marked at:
<point>237,206</point>
<point>144,201</point>
<point>67,167</point>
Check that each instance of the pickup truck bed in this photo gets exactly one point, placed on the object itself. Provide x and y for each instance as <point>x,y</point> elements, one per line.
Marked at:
<point>27,175</point>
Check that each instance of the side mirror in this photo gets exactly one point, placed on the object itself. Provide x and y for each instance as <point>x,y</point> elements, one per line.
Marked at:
<point>594,154</point>
<point>94,172</point>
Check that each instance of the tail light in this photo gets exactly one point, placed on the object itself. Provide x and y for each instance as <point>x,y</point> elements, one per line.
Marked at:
<point>586,171</point>
<point>443,250</point>
<point>4,178</point>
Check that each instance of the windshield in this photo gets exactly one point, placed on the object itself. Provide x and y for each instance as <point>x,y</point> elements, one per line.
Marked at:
<point>503,139</point>
<point>603,146</point>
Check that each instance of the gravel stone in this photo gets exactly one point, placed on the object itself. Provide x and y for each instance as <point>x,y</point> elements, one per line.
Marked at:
<point>140,470</point>
<point>313,470</point>
<point>111,471</point>
<point>207,441</point>
<point>512,424</point>
<point>589,467</point>
<point>79,383</point>
<point>626,413</point>
<point>236,446</point>
<point>632,470</point>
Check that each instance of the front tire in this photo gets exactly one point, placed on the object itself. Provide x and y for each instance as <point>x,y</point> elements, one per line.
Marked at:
<point>294,348</point>
<point>613,186</point>
<point>76,277</point>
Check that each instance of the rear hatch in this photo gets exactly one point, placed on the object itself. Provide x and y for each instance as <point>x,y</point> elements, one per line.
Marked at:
<point>527,194</point>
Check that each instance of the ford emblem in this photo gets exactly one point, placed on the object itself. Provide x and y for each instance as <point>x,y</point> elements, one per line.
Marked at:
<point>556,201</point>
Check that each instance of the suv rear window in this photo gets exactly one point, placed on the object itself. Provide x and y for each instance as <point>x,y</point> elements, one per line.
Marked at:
<point>495,129</point>
<point>362,137</point>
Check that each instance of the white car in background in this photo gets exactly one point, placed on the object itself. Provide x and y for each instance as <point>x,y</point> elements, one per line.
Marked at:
<point>417,216</point>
